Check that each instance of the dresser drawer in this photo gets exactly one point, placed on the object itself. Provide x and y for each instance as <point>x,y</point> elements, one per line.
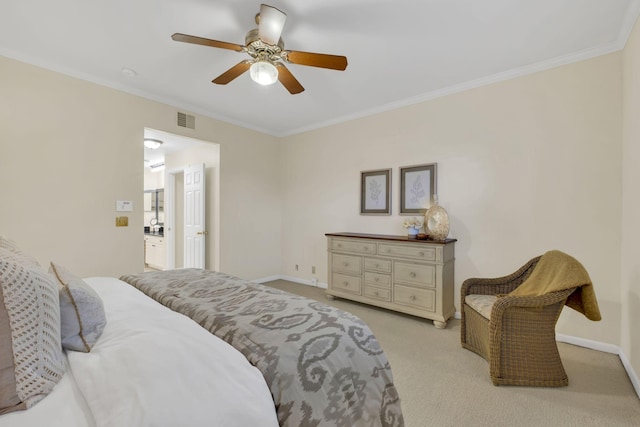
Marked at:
<point>353,246</point>
<point>377,279</point>
<point>426,253</point>
<point>375,264</point>
<point>416,274</point>
<point>346,264</point>
<point>341,282</point>
<point>377,293</point>
<point>423,299</point>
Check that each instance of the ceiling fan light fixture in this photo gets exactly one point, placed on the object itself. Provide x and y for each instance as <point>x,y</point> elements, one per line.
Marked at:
<point>263,73</point>
<point>152,143</point>
<point>270,24</point>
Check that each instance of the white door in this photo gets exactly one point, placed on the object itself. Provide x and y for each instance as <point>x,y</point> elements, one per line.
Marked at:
<point>194,227</point>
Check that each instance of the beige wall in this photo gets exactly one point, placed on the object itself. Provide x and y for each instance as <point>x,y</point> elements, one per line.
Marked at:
<point>69,149</point>
<point>524,166</point>
<point>630,292</point>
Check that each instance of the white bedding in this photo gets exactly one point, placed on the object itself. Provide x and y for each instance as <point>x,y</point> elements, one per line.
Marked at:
<point>152,367</point>
<point>64,407</point>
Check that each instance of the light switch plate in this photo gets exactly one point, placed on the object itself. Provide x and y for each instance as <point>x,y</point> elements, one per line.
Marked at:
<point>124,206</point>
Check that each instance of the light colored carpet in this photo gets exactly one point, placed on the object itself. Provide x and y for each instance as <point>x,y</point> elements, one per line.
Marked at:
<point>442,384</point>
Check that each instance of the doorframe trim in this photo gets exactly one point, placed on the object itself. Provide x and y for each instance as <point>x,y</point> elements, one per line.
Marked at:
<point>170,215</point>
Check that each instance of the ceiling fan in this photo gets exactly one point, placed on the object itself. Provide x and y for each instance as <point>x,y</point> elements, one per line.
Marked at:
<point>266,48</point>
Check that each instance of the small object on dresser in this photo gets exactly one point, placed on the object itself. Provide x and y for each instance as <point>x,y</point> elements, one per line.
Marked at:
<point>413,226</point>
<point>436,221</point>
<point>422,236</point>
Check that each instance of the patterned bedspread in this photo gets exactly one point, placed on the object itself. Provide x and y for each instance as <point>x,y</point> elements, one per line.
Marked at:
<point>324,366</point>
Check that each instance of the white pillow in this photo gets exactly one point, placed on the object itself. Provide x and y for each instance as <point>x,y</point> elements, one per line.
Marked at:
<point>31,358</point>
<point>82,314</point>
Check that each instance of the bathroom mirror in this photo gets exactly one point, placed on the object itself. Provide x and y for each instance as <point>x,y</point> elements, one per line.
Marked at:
<point>154,205</point>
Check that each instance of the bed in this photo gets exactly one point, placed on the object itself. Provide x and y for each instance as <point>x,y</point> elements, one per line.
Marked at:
<point>151,367</point>
<point>183,347</point>
<point>323,365</point>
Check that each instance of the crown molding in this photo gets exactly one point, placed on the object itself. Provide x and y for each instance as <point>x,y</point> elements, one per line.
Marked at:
<point>472,84</point>
<point>629,21</point>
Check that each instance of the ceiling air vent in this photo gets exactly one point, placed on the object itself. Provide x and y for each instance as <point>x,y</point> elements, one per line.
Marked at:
<point>186,120</point>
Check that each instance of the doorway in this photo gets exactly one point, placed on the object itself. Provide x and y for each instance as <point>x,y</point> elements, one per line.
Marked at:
<point>178,152</point>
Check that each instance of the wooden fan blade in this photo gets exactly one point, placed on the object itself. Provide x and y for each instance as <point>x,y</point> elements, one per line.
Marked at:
<point>206,42</point>
<point>322,60</point>
<point>232,73</point>
<point>287,79</point>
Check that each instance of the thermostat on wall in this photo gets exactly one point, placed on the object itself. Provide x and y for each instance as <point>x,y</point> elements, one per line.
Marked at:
<point>124,206</point>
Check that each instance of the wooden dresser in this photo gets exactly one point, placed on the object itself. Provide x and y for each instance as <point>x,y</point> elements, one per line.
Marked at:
<point>395,272</point>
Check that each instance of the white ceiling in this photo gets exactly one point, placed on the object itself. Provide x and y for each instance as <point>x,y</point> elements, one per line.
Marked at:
<point>170,144</point>
<point>399,51</point>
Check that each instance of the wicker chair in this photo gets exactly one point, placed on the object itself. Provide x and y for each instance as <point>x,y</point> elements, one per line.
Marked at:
<point>518,340</point>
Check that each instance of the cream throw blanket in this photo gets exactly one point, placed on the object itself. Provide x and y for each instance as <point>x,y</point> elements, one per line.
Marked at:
<point>557,271</point>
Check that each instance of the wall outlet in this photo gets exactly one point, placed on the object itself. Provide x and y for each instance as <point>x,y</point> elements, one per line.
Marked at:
<point>313,270</point>
<point>314,281</point>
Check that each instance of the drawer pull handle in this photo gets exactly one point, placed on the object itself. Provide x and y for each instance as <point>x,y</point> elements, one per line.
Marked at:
<point>412,297</point>
<point>377,265</point>
<point>346,264</point>
<point>412,274</point>
<point>339,245</point>
<point>388,250</point>
<point>365,248</point>
<point>346,283</point>
<point>376,293</point>
<point>377,279</point>
<point>421,254</point>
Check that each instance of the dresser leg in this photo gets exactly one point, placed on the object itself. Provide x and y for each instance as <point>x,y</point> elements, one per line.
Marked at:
<point>439,325</point>
<point>330,297</point>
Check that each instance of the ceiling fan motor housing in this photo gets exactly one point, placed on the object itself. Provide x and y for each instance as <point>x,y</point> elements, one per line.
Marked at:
<point>261,50</point>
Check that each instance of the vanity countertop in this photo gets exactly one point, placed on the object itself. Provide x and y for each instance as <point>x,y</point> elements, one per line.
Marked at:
<point>154,234</point>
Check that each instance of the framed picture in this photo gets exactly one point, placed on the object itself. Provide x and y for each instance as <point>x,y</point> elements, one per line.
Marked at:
<point>417,188</point>
<point>375,189</point>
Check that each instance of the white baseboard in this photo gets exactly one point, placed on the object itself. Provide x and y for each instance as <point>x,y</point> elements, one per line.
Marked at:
<point>606,348</point>
<point>633,376</point>
<point>292,279</point>
<point>267,279</point>
<point>581,342</point>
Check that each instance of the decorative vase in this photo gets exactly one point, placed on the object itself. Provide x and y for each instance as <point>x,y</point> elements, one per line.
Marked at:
<point>436,221</point>
<point>413,232</point>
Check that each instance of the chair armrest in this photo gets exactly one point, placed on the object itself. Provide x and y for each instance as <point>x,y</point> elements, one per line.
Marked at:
<point>507,301</point>
<point>498,285</point>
